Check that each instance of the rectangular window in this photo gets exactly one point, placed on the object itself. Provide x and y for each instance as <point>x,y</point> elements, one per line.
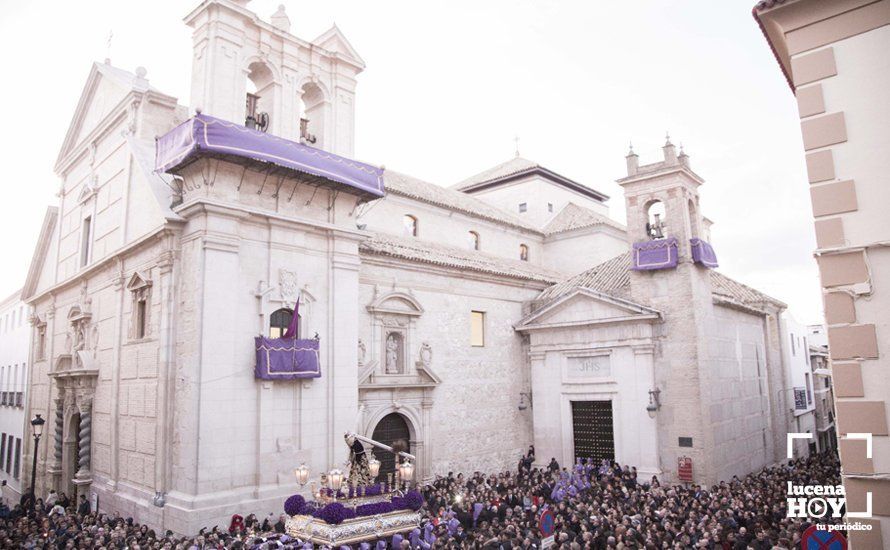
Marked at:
<point>18,458</point>
<point>86,241</point>
<point>793,351</point>
<point>41,342</point>
<point>549,207</point>
<point>523,207</point>
<point>140,318</point>
<point>2,450</point>
<point>809,388</point>
<point>8,453</point>
<point>477,328</point>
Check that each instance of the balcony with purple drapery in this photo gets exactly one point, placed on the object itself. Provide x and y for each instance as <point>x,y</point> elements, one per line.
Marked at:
<point>288,357</point>
<point>703,253</point>
<point>656,254</point>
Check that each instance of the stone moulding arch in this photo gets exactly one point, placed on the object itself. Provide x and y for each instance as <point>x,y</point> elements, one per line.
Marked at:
<point>406,411</point>
<point>379,305</point>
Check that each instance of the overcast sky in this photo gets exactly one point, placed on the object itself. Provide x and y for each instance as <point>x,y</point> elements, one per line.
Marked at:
<point>449,84</point>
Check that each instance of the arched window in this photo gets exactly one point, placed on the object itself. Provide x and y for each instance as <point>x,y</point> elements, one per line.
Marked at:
<point>473,240</point>
<point>258,103</point>
<point>656,225</point>
<point>312,107</point>
<point>409,222</point>
<point>693,220</point>
<point>280,320</point>
<point>523,252</point>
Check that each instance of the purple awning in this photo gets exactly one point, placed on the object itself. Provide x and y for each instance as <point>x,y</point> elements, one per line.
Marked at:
<point>703,253</point>
<point>286,359</point>
<point>204,135</point>
<point>657,254</point>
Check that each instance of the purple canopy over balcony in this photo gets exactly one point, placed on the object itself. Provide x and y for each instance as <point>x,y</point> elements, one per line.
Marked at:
<point>703,253</point>
<point>206,136</point>
<point>657,254</point>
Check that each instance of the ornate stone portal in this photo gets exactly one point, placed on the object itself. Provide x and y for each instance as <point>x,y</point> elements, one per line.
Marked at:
<point>75,374</point>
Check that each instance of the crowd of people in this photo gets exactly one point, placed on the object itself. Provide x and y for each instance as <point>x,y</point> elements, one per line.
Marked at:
<point>593,506</point>
<point>610,508</point>
<point>56,523</point>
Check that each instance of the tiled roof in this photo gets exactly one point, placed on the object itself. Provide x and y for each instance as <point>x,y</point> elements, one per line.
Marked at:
<point>613,277</point>
<point>408,186</point>
<point>512,166</point>
<point>573,217</point>
<point>609,277</point>
<point>735,291</point>
<point>417,250</point>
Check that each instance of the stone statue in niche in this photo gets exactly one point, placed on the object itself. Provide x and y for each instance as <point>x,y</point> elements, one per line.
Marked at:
<point>393,343</point>
<point>361,352</point>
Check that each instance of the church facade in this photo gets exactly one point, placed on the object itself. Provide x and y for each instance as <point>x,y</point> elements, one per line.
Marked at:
<point>472,321</point>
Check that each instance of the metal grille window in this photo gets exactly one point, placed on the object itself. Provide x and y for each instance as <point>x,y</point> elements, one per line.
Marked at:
<point>390,429</point>
<point>593,432</point>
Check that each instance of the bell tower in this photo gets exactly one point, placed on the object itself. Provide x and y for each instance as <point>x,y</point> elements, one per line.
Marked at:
<point>249,71</point>
<point>662,199</point>
<point>663,214</point>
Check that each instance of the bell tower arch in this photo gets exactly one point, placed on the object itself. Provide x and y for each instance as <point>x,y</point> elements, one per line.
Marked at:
<point>249,71</point>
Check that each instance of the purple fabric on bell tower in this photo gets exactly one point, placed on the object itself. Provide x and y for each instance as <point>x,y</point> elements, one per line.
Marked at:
<point>703,253</point>
<point>206,136</point>
<point>657,254</point>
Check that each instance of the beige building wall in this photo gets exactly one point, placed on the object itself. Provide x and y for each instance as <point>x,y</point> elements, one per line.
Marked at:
<point>835,57</point>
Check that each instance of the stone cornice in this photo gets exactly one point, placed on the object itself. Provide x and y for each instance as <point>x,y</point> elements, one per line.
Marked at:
<point>96,267</point>
<point>202,204</point>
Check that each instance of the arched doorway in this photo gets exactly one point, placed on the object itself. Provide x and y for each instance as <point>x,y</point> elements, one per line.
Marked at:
<point>391,428</point>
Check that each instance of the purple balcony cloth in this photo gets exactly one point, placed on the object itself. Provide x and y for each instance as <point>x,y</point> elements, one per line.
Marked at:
<point>206,136</point>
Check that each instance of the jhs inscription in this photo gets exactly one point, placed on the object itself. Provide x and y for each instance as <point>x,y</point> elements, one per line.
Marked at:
<point>588,367</point>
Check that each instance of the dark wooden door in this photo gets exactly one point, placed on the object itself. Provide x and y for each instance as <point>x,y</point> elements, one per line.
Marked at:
<point>390,429</point>
<point>592,427</point>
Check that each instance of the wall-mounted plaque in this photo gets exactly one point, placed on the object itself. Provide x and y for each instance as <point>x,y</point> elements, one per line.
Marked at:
<point>594,366</point>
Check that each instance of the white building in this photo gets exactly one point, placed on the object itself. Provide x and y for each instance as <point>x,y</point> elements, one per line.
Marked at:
<point>470,321</point>
<point>800,384</point>
<point>823,387</point>
<point>15,333</point>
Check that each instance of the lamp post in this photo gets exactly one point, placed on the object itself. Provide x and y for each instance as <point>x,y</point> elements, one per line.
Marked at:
<point>37,425</point>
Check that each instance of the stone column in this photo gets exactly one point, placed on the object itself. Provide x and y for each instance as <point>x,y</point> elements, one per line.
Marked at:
<point>55,469</point>
<point>84,440</point>
<point>425,452</point>
<point>648,429</point>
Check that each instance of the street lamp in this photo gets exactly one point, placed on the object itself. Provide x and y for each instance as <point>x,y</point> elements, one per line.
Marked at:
<point>37,425</point>
<point>654,402</point>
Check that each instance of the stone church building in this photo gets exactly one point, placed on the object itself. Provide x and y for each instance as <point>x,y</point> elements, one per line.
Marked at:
<point>473,320</point>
